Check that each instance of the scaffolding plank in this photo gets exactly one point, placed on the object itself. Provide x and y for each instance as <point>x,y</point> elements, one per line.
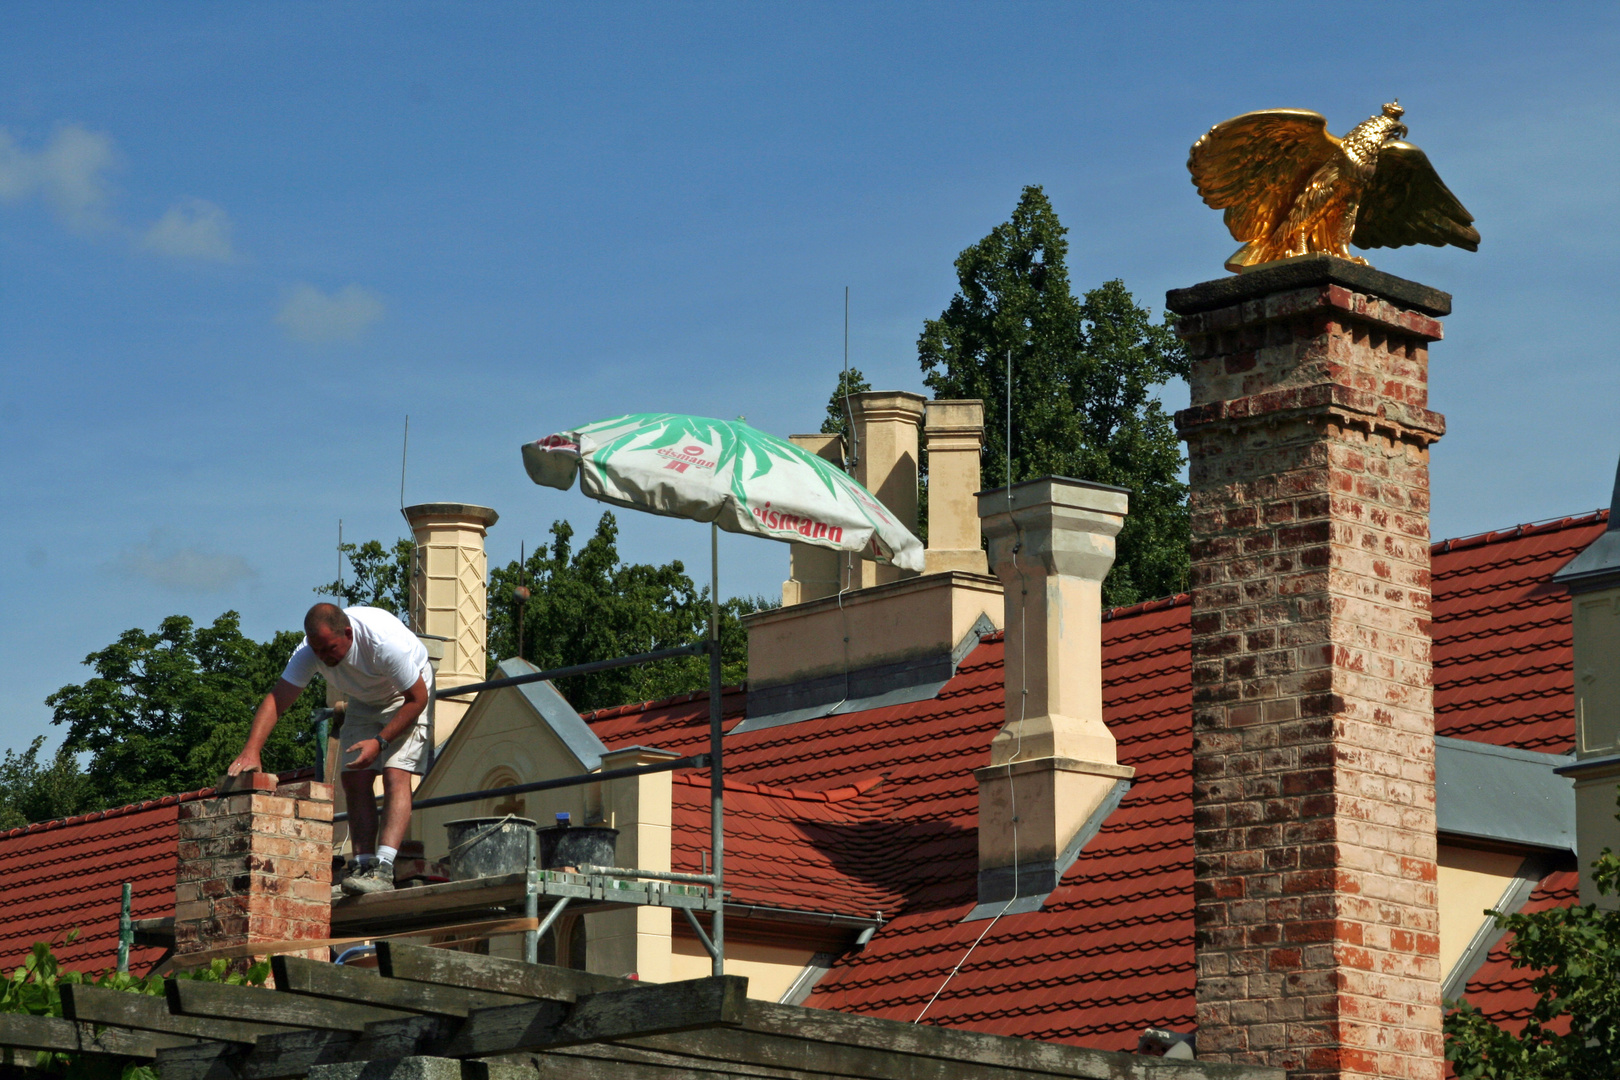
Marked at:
<point>257,1005</point>
<point>395,912</point>
<point>316,979</point>
<point>146,1012</point>
<point>503,890</point>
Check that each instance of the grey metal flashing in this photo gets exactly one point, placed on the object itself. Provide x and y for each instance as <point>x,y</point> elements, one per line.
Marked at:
<point>859,924</point>
<point>970,640</point>
<point>1503,795</point>
<point>875,687</point>
<point>1479,947</point>
<point>1598,567</point>
<point>1580,767</point>
<point>813,972</point>
<point>1001,893</point>
<point>562,718</point>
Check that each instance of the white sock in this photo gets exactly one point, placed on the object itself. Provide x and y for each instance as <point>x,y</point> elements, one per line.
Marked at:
<point>385,854</point>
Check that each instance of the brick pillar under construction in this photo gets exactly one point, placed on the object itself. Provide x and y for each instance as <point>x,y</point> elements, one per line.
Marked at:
<point>255,866</point>
<point>1313,706</point>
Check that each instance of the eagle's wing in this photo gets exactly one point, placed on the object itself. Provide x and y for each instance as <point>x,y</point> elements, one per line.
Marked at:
<point>1407,203</point>
<point>1253,166</point>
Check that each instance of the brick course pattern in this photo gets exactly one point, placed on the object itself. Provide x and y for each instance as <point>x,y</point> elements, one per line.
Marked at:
<point>1313,707</point>
<point>255,865</point>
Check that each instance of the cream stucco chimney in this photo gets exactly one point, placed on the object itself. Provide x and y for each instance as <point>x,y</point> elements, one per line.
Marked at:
<point>1593,580</point>
<point>955,434</point>
<point>886,424</point>
<point>814,572</point>
<point>1053,764</point>
<point>448,584</point>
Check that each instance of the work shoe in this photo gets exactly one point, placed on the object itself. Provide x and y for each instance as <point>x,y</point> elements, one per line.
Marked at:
<point>378,877</point>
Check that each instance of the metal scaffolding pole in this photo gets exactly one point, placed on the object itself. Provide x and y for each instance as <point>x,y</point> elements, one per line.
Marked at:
<point>717,810</point>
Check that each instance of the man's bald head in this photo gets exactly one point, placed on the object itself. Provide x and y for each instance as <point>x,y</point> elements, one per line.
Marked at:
<point>328,617</point>
<point>328,633</point>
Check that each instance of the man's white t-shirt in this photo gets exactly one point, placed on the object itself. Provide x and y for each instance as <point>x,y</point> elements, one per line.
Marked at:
<point>385,660</point>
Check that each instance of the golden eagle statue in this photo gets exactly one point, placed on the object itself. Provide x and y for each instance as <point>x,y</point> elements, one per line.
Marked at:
<point>1290,188</point>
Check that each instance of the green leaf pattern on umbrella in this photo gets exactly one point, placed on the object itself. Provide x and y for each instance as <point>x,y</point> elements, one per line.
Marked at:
<point>618,471</point>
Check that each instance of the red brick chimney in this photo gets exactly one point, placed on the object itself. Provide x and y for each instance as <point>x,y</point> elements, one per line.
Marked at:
<point>1313,708</point>
<point>255,865</point>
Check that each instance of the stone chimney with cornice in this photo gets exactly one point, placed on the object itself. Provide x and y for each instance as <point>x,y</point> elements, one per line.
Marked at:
<point>1053,775</point>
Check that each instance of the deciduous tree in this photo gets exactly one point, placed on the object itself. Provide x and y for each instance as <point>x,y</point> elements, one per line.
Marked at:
<point>1084,374</point>
<point>588,604</point>
<point>1573,1031</point>
<point>168,709</point>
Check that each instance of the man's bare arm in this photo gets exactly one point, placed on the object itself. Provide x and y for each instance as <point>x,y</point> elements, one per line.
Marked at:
<point>271,709</point>
<point>416,699</point>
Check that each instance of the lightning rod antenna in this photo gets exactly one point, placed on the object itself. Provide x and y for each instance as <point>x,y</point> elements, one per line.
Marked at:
<point>854,458</point>
<point>403,451</point>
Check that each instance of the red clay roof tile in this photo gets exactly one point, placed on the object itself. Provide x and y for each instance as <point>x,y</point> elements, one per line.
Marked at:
<point>877,811</point>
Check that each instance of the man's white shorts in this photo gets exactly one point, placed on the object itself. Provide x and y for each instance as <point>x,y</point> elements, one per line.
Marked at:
<point>408,752</point>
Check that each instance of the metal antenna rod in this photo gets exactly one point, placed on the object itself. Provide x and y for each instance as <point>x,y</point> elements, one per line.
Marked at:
<point>854,456</point>
<point>403,450</point>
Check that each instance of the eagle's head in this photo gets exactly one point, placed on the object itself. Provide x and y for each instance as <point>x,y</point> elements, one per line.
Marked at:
<point>1394,111</point>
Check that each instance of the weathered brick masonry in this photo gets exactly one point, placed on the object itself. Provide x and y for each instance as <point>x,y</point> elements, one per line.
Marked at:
<point>255,865</point>
<point>1313,711</point>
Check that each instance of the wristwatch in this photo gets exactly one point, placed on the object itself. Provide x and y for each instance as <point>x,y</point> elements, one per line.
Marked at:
<point>382,745</point>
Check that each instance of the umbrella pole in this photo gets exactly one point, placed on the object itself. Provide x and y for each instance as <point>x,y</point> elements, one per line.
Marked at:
<point>716,777</point>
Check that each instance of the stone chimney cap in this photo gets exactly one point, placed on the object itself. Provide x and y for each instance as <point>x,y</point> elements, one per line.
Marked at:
<point>482,514</point>
<point>1304,272</point>
<point>1061,490</point>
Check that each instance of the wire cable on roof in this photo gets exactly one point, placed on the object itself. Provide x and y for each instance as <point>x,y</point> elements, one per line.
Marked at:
<point>1023,701</point>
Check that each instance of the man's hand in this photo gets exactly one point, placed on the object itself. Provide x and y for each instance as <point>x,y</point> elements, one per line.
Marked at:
<point>246,761</point>
<point>369,750</point>
<point>276,702</point>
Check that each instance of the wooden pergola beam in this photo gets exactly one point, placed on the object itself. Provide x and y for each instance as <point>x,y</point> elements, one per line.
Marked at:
<point>51,1033</point>
<point>226,1002</point>
<point>313,978</point>
<point>440,967</point>
<point>531,1026</point>
<point>145,1012</point>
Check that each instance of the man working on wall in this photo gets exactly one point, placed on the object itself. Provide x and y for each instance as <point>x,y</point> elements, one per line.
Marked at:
<point>373,661</point>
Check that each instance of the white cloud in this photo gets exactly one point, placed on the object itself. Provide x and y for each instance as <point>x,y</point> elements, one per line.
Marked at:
<point>68,172</point>
<point>187,569</point>
<point>192,229</point>
<point>312,316</point>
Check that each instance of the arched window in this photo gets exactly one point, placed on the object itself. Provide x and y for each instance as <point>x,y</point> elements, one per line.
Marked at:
<point>511,804</point>
<point>569,931</point>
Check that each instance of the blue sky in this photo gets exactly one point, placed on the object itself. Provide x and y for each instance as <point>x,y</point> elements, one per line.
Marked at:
<point>239,243</point>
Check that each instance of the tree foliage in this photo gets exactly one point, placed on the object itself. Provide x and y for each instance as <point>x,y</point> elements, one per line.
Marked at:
<point>1573,1032</point>
<point>837,421</point>
<point>588,604</point>
<point>35,989</point>
<point>168,709</point>
<point>1084,372</point>
<point>379,577</point>
<point>35,790</point>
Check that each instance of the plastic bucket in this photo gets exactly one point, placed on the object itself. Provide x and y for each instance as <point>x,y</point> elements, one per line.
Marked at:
<point>577,845</point>
<point>487,846</point>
